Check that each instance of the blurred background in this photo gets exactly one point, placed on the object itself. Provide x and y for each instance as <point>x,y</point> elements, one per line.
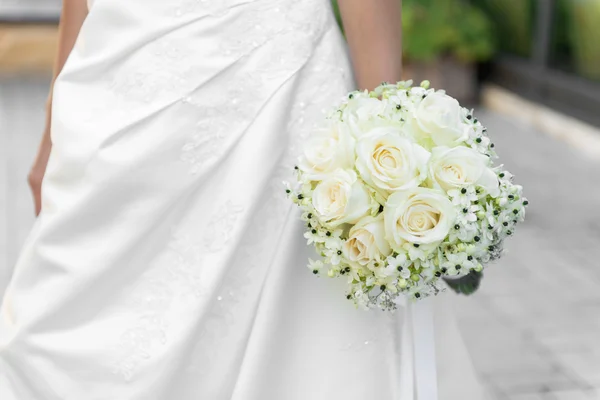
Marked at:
<point>532,70</point>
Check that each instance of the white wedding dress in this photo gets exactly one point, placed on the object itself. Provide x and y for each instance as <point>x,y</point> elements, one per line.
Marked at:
<point>167,263</point>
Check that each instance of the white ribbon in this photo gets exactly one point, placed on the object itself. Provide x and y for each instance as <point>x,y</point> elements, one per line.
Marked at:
<point>418,372</point>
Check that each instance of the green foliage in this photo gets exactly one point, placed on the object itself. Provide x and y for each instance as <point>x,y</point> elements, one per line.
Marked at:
<point>435,28</point>
<point>336,10</point>
<point>512,24</point>
<point>467,284</point>
<point>584,34</point>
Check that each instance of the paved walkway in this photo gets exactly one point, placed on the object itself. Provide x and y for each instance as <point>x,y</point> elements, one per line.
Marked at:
<point>533,330</point>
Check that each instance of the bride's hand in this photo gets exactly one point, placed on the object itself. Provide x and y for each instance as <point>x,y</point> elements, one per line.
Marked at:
<point>38,169</point>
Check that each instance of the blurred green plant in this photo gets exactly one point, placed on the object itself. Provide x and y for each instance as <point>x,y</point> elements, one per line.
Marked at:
<point>512,24</point>
<point>437,28</point>
<point>584,34</point>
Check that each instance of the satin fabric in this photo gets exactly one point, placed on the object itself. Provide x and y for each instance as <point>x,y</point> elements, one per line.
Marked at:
<point>167,262</point>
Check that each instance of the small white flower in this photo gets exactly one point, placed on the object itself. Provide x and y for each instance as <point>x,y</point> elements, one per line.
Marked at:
<point>467,214</point>
<point>315,265</point>
<point>463,197</point>
<point>458,263</point>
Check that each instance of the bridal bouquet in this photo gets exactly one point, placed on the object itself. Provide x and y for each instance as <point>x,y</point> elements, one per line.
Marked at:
<point>400,195</point>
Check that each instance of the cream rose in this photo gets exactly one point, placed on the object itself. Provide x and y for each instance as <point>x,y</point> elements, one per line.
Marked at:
<point>341,198</point>
<point>439,117</point>
<point>389,162</point>
<point>362,108</point>
<point>418,216</point>
<point>326,151</point>
<point>366,241</point>
<point>453,168</point>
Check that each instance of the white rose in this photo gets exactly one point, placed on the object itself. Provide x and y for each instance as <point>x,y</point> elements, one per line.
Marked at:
<point>341,198</point>
<point>439,116</point>
<point>365,113</point>
<point>363,108</point>
<point>418,216</point>
<point>366,241</point>
<point>389,162</point>
<point>326,151</point>
<point>454,168</point>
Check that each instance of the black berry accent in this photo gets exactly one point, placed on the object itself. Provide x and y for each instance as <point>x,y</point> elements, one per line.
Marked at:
<point>314,231</point>
<point>463,191</point>
<point>477,238</point>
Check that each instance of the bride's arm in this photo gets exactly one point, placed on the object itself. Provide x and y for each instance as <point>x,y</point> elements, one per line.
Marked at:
<point>72,17</point>
<point>374,32</point>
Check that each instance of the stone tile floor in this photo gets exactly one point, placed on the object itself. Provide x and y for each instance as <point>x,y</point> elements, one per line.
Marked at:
<point>533,329</point>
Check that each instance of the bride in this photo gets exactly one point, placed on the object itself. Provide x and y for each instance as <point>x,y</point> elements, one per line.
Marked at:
<point>166,262</point>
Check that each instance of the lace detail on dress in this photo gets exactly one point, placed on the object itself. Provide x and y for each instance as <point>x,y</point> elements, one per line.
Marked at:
<point>182,277</point>
<point>325,78</point>
<point>159,69</point>
<point>289,34</point>
<point>219,229</point>
<point>178,275</point>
